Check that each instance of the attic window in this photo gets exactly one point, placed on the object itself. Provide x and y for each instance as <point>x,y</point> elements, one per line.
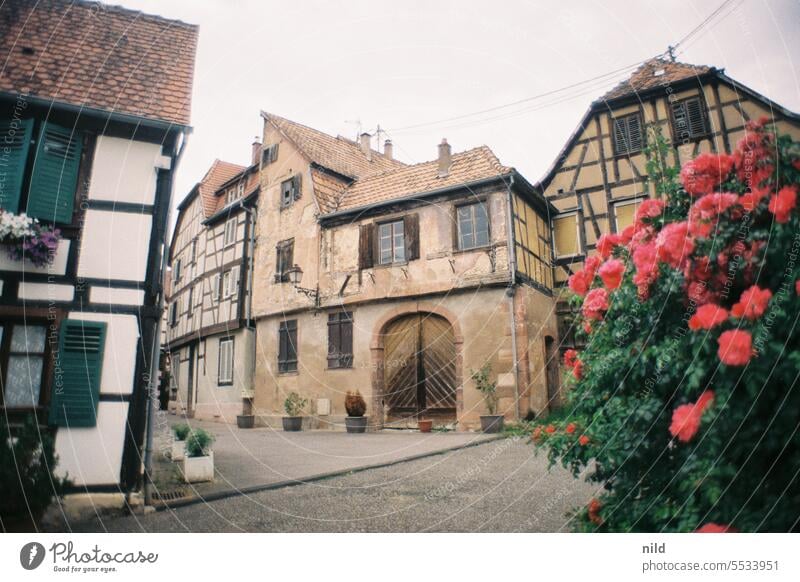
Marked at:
<point>27,50</point>
<point>659,72</point>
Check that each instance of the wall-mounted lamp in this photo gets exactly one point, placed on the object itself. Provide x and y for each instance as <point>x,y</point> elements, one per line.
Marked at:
<point>295,275</point>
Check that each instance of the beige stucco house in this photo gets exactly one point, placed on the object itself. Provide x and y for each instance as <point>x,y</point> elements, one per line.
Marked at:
<point>411,276</point>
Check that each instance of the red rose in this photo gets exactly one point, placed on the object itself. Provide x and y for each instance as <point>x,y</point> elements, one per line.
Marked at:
<point>782,203</point>
<point>583,440</point>
<point>704,173</point>
<point>752,303</point>
<point>704,213</point>
<point>591,265</point>
<point>606,244</point>
<point>735,347</point>
<point>611,273</point>
<point>550,429</point>
<point>569,358</point>
<point>674,243</point>
<point>650,208</point>
<point>595,304</point>
<point>578,283</point>
<point>537,433</point>
<point>708,316</point>
<point>594,512</point>
<point>686,418</point>
<point>570,428</point>
<point>716,528</point>
<point>577,369</point>
<point>797,287</point>
<point>587,327</point>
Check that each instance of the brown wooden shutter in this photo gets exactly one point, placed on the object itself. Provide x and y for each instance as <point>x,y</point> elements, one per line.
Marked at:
<point>696,116</point>
<point>366,237</point>
<point>411,228</point>
<point>297,180</point>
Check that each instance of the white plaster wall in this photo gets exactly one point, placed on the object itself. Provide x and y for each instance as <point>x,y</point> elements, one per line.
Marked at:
<point>119,358</point>
<point>116,296</point>
<point>59,266</point>
<point>93,455</point>
<point>124,170</point>
<point>114,245</point>
<point>45,291</point>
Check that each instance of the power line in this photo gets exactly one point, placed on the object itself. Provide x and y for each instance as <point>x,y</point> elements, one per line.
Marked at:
<point>700,26</point>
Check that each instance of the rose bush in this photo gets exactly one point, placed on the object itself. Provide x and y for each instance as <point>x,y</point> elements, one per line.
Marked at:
<point>684,404</point>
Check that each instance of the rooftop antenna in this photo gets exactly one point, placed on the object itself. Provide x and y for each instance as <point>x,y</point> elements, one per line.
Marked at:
<point>357,123</point>
<point>378,133</point>
<point>671,53</point>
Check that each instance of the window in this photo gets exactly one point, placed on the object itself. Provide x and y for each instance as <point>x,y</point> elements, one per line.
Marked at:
<point>269,154</point>
<point>54,173</point>
<point>190,306</point>
<point>194,250</point>
<point>565,235</point>
<point>284,260</point>
<point>340,340</point>
<point>287,346</point>
<point>173,313</point>
<point>216,281</point>
<point>689,119</point>
<point>391,243</point>
<point>533,245</point>
<point>627,134</point>
<point>472,223</point>
<point>225,369</point>
<point>230,232</point>
<point>625,213</point>
<point>177,270</point>
<point>230,282</point>
<point>290,190</point>
<point>25,348</point>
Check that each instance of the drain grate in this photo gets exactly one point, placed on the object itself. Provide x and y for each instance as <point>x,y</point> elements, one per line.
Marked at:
<point>170,495</point>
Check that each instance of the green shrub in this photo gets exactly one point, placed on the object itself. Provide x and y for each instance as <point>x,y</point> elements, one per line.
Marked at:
<point>294,404</point>
<point>181,431</point>
<point>486,387</point>
<point>27,481</point>
<point>684,403</point>
<point>198,443</point>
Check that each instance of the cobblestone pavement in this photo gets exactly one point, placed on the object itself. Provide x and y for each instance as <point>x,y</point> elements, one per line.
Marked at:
<point>500,485</point>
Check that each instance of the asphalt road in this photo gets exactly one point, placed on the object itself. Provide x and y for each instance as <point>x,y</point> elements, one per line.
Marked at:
<point>499,486</point>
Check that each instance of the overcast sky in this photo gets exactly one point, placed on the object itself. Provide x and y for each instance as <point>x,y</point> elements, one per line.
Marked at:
<point>330,65</point>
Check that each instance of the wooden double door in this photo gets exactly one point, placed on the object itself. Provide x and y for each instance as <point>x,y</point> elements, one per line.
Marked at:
<point>419,367</point>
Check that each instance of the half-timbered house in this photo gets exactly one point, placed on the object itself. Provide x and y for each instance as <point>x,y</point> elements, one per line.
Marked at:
<point>94,109</point>
<point>397,280</point>
<point>209,335</point>
<point>600,176</point>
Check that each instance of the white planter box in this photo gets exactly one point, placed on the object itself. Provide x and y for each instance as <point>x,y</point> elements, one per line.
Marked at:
<point>198,469</point>
<point>178,450</point>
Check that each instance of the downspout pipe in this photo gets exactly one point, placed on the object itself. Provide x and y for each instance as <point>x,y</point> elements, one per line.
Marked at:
<point>511,291</point>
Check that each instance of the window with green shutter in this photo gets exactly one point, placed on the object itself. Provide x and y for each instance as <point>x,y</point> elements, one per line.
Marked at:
<point>55,173</point>
<point>77,371</point>
<point>15,137</point>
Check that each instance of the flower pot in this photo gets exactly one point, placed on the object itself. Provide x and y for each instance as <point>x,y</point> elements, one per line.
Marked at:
<point>492,423</point>
<point>178,450</point>
<point>356,424</point>
<point>245,420</point>
<point>198,469</point>
<point>425,425</point>
<point>292,423</point>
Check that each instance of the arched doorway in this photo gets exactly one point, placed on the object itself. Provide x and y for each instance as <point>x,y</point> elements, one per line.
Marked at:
<point>420,368</point>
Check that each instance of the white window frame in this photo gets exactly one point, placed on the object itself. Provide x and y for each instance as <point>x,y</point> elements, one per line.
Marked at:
<point>229,235</point>
<point>628,202</point>
<point>225,362</point>
<point>578,248</point>
<point>216,281</point>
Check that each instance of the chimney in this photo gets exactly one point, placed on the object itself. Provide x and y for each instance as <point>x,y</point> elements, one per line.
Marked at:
<point>365,137</point>
<point>387,149</point>
<point>256,154</point>
<point>445,158</point>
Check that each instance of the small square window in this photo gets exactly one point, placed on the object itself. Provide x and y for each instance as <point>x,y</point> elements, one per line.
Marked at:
<point>290,190</point>
<point>391,243</point>
<point>473,226</point>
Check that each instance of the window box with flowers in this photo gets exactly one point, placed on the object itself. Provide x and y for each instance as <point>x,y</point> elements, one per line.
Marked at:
<point>24,238</point>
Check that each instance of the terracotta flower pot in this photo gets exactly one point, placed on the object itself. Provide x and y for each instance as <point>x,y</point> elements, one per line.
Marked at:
<point>425,425</point>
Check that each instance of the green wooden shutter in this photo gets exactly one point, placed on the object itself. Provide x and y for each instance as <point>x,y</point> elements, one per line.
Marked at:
<point>15,145</point>
<point>55,174</point>
<point>78,368</point>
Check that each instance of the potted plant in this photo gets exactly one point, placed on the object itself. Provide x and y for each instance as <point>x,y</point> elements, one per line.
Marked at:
<point>180,431</point>
<point>293,405</point>
<point>355,405</point>
<point>247,419</point>
<point>425,424</point>
<point>491,422</point>
<point>198,464</point>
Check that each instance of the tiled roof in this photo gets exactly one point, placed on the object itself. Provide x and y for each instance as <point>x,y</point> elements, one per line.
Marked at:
<point>339,154</point>
<point>469,166</point>
<point>328,190</point>
<point>219,173</point>
<point>645,77</point>
<point>252,182</point>
<point>98,56</point>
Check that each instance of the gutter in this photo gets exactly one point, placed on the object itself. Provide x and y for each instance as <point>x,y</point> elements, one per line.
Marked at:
<point>511,291</point>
